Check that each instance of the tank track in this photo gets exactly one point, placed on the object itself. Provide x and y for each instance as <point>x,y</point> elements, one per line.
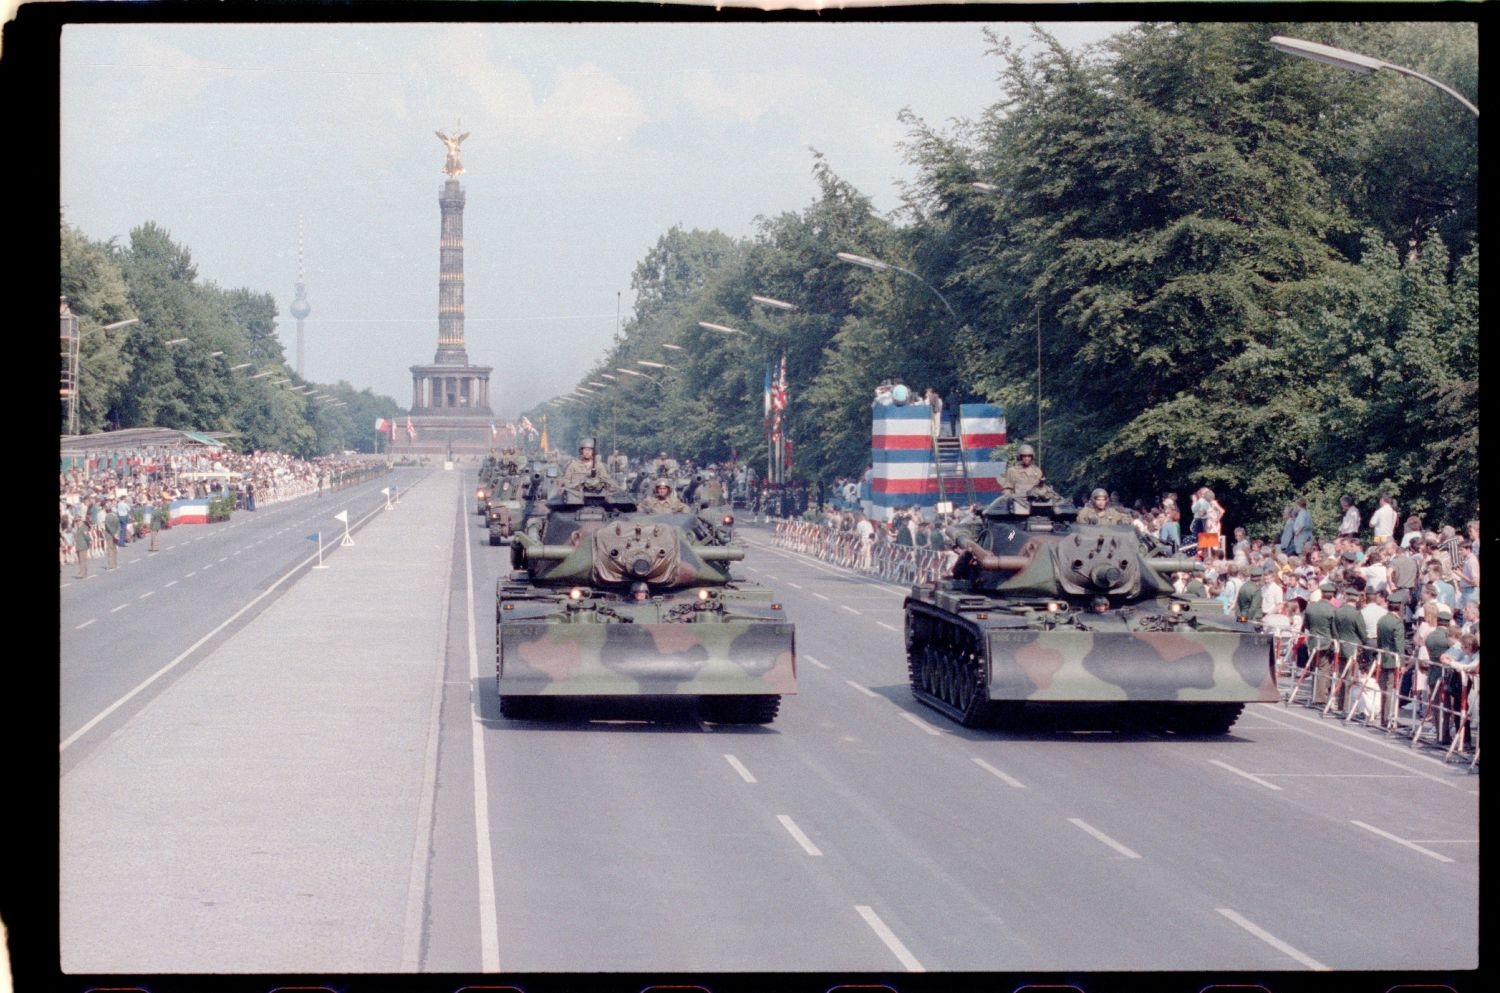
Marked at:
<point>946,666</point>
<point>739,709</point>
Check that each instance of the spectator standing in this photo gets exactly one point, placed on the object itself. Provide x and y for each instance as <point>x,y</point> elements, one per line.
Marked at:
<point>1301,527</point>
<point>1349,523</point>
<point>1170,533</point>
<point>1390,642</point>
<point>1383,521</point>
<point>111,547</point>
<point>1317,621</point>
<point>81,540</point>
<point>1467,572</point>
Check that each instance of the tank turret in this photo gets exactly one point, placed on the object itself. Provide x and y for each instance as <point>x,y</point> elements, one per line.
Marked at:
<point>1042,609</point>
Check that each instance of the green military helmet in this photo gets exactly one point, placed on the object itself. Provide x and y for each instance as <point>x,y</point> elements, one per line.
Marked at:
<point>1099,492</point>
<point>586,443</point>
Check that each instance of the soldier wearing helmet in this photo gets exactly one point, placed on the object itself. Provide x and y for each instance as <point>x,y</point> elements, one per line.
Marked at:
<point>663,500</point>
<point>1025,475</point>
<point>1099,511</point>
<point>585,474</point>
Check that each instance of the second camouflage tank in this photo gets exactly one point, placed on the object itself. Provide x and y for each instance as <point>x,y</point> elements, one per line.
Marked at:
<point>1042,609</point>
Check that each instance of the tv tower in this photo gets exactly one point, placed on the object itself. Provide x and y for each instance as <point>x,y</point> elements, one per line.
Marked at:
<point>300,308</point>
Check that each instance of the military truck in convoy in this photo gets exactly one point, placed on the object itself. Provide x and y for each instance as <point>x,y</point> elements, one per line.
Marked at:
<point>1043,610</point>
<point>608,602</point>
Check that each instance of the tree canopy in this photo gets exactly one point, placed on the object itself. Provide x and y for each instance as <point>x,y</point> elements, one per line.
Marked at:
<point>1192,260</point>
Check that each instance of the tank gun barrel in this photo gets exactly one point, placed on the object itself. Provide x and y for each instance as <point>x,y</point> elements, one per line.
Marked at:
<point>1164,566</point>
<point>537,552</point>
<point>718,553</point>
<point>988,560</point>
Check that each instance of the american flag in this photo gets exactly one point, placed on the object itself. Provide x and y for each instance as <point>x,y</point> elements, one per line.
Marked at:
<point>778,389</point>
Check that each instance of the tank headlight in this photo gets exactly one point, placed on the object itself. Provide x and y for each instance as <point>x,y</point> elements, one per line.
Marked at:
<point>576,593</point>
<point>703,595</point>
<point>1054,606</point>
<point>728,520</point>
<point>1177,609</point>
<point>479,494</point>
<point>508,606</point>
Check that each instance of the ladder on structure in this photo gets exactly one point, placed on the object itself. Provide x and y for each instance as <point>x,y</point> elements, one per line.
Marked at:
<point>952,468</point>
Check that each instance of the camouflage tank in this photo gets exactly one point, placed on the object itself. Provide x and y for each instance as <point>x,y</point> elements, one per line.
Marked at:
<point>609,602</point>
<point>1042,609</point>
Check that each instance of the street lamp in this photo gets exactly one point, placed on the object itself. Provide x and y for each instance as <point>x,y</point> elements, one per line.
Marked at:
<point>172,342</point>
<point>773,302</point>
<point>263,375</point>
<point>879,266</point>
<point>674,348</point>
<point>641,375</point>
<point>721,328</point>
<point>1355,62</point>
<point>75,338</point>
<point>984,187</point>
<point>242,365</point>
<point>654,365</point>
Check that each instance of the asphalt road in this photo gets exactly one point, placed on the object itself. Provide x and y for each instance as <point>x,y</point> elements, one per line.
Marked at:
<point>330,787</point>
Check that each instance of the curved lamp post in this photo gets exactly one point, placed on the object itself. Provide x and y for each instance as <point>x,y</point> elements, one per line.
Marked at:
<point>879,266</point>
<point>1355,62</point>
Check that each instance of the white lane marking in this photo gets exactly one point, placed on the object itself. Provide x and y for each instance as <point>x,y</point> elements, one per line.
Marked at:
<point>1273,941</point>
<point>1101,836</point>
<point>886,935</point>
<point>812,563</point>
<point>1007,780</point>
<point>190,575</point>
<point>796,833</point>
<point>416,882</point>
<point>888,627</point>
<point>845,606</point>
<point>771,577</point>
<point>489,928</point>
<point>820,665</point>
<point>752,568</point>
<point>1401,841</point>
<point>224,559</point>
<point>739,767</point>
<point>119,608</point>
<point>85,624</point>
<point>1447,841</point>
<point>1346,775</point>
<point>146,594</point>
<point>863,689</point>
<point>172,583</point>
<point>1241,772</point>
<point>140,687</point>
<point>794,586</point>
<point>207,567</point>
<point>819,595</point>
<point>919,723</point>
<point>132,561</point>
<point>1405,750</point>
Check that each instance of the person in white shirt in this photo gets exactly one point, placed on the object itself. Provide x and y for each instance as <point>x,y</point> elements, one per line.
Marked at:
<point>1383,521</point>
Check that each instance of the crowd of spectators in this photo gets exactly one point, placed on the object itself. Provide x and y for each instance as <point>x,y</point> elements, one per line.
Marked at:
<point>111,499</point>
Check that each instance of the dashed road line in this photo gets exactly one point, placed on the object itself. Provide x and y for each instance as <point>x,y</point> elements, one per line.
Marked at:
<point>796,833</point>
<point>224,559</point>
<point>1241,772</point>
<point>1101,836</point>
<point>819,595</point>
<point>85,624</point>
<point>739,767</point>
<point>172,583</point>
<point>794,586</point>
<point>190,575</point>
<point>888,937</point>
<point>820,665</point>
<point>146,594</point>
<point>1007,780</point>
<point>207,567</point>
<point>1401,841</point>
<point>845,606</point>
<point>888,627</point>
<point>863,689</point>
<point>119,608</point>
<point>913,718</point>
<point>1273,941</point>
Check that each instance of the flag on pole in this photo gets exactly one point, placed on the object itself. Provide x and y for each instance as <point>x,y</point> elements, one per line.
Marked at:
<point>766,398</point>
<point>778,392</point>
<point>526,425</point>
<point>342,517</point>
<point>411,432</point>
<point>313,536</point>
<point>494,432</point>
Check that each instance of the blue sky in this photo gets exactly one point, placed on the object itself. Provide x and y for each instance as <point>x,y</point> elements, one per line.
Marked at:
<point>587,143</point>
